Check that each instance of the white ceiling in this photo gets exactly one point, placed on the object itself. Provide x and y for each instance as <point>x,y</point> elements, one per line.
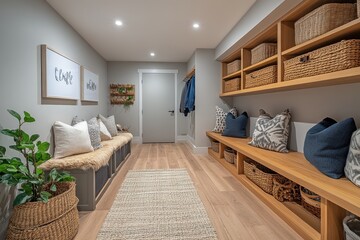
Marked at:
<point>161,26</point>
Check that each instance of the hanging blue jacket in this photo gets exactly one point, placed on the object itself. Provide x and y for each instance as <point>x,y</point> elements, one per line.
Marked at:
<point>190,96</point>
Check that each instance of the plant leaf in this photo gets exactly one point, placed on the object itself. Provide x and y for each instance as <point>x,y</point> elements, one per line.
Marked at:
<point>45,196</point>
<point>28,118</point>
<point>53,174</point>
<point>8,132</point>
<point>15,114</point>
<point>2,151</point>
<point>34,137</point>
<point>21,198</point>
<point>43,147</point>
<point>53,188</point>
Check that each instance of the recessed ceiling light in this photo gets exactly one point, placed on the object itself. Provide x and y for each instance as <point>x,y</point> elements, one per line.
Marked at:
<point>152,54</point>
<point>196,25</point>
<point>118,23</point>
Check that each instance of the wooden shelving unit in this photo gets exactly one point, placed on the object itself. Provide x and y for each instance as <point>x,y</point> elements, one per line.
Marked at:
<point>283,33</point>
<point>337,195</point>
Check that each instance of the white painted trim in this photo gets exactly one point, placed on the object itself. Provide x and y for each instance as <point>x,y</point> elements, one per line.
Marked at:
<point>141,72</point>
<point>181,138</point>
<point>136,139</point>
<point>195,149</point>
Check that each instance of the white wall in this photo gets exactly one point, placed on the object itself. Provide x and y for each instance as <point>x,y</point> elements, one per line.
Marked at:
<point>127,73</point>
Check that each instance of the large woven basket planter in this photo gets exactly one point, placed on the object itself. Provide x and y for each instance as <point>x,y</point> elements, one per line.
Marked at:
<point>58,219</point>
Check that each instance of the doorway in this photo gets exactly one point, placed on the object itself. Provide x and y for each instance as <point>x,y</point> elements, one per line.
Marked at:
<point>158,115</point>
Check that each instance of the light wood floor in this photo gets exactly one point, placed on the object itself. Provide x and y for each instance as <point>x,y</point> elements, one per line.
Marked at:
<point>234,211</point>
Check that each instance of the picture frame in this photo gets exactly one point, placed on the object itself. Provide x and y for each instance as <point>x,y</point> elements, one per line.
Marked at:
<point>60,76</point>
<point>89,86</point>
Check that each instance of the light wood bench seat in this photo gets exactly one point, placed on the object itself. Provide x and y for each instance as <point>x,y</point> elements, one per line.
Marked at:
<point>338,195</point>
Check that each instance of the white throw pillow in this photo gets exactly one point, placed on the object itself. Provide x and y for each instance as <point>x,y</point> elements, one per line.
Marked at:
<point>71,140</point>
<point>104,133</point>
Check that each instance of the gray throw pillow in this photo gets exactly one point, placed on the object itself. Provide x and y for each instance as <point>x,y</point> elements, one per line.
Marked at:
<point>272,133</point>
<point>109,124</point>
<point>352,167</point>
<point>220,118</point>
<point>94,131</point>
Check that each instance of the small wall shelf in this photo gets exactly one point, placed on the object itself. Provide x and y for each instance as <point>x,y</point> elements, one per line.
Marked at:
<point>122,94</point>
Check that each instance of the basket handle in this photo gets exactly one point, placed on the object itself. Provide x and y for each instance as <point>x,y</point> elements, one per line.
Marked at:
<point>305,59</point>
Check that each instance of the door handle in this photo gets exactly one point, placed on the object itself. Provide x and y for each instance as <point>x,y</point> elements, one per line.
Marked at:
<point>171,111</point>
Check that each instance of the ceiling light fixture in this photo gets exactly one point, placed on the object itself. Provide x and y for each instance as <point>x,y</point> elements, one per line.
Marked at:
<point>196,25</point>
<point>118,23</point>
<point>152,54</point>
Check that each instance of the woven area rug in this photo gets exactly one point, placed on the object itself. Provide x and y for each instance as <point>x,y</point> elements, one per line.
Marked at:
<point>157,204</point>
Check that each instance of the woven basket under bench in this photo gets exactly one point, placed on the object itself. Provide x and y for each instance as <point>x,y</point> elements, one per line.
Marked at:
<point>261,77</point>
<point>260,175</point>
<point>335,57</point>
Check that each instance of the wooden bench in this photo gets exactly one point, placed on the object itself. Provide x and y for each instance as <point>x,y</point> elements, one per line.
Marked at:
<point>337,195</point>
<point>94,171</point>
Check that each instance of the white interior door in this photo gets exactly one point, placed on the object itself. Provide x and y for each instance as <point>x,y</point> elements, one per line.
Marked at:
<point>158,102</point>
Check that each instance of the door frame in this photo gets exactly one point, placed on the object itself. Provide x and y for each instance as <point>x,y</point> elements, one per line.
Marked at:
<point>144,71</point>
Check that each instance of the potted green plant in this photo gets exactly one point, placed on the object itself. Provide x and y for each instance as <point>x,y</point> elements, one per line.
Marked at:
<point>45,201</point>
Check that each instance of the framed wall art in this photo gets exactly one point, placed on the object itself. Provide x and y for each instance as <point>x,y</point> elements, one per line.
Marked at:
<point>60,76</point>
<point>89,86</point>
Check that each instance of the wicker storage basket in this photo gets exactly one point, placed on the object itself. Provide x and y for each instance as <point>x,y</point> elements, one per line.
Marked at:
<point>336,57</point>
<point>285,189</point>
<point>358,8</point>
<point>310,201</point>
<point>233,66</point>
<point>215,145</point>
<point>352,227</point>
<point>260,175</point>
<point>261,77</point>
<point>232,85</point>
<point>57,219</point>
<point>323,19</point>
<point>229,155</point>
<point>262,52</point>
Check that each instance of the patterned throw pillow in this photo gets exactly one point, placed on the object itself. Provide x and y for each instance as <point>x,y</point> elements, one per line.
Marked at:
<point>236,126</point>
<point>272,133</point>
<point>94,131</point>
<point>109,124</point>
<point>352,167</point>
<point>326,145</point>
<point>220,119</point>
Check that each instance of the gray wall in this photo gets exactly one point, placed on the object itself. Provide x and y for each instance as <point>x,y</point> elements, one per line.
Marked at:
<point>256,14</point>
<point>307,106</point>
<point>127,73</point>
<point>24,25</point>
<point>207,89</point>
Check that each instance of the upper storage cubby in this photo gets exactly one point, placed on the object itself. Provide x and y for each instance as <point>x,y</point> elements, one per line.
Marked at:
<point>311,36</point>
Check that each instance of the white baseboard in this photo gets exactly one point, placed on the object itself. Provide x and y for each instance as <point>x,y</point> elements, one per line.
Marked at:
<point>181,138</point>
<point>195,149</point>
<point>137,139</point>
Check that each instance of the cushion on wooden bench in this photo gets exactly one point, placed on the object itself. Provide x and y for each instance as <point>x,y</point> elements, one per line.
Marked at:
<point>91,160</point>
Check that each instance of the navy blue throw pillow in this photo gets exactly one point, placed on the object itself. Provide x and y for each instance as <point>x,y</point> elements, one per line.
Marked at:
<point>327,145</point>
<point>236,126</point>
